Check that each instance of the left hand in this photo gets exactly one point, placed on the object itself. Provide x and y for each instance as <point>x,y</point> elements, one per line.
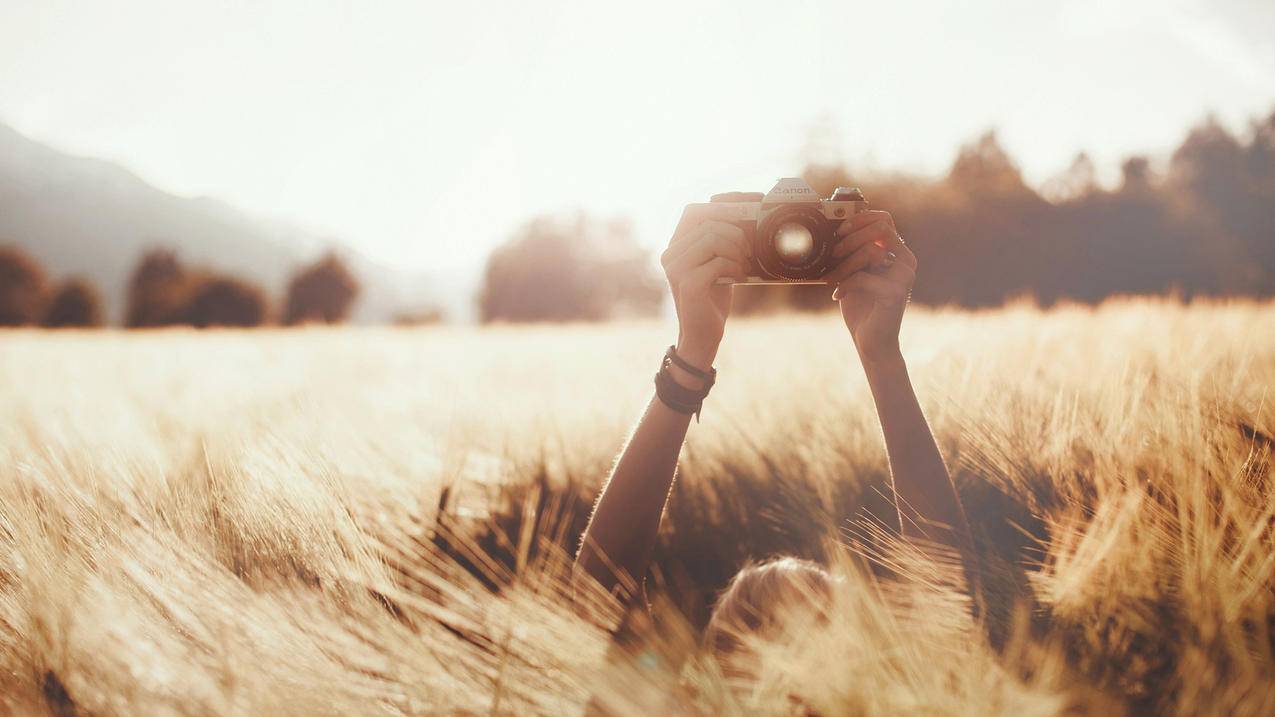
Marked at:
<point>874,282</point>
<point>704,249</point>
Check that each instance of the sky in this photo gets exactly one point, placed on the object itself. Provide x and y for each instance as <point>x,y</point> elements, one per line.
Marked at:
<point>424,134</point>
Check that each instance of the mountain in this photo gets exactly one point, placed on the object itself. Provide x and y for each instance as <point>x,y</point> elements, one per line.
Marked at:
<point>88,217</point>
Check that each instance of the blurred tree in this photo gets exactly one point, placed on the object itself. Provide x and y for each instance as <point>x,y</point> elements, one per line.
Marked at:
<point>157,291</point>
<point>984,236</point>
<point>323,292</point>
<point>223,301</point>
<point>76,303</point>
<point>1076,181</point>
<point>570,270</point>
<point>22,289</point>
<point>1136,175</point>
<point>1230,185</point>
<point>1212,163</point>
<point>1130,241</point>
<point>983,168</point>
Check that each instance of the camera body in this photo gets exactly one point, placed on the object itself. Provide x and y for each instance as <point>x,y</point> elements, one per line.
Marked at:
<point>790,229</point>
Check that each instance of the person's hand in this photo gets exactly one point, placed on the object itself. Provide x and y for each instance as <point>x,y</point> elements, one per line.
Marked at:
<point>703,249</point>
<point>874,282</point>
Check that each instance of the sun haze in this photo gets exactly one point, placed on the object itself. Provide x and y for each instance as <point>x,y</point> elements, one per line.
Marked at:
<point>423,134</point>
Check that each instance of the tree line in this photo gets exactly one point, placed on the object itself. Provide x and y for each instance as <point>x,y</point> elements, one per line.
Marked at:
<point>1200,224</point>
<point>163,291</point>
<point>1203,225</point>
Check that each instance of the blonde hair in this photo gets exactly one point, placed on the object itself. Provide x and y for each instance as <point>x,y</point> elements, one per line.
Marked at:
<point>761,597</point>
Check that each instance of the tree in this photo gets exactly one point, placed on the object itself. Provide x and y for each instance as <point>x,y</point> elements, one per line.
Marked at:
<point>322,292</point>
<point>983,236</point>
<point>569,270</point>
<point>22,289</point>
<point>223,301</point>
<point>157,291</point>
<point>1230,184</point>
<point>984,168</point>
<point>1136,175</point>
<point>1076,181</point>
<point>76,303</point>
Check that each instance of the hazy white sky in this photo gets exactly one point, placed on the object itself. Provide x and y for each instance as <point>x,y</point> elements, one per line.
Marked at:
<point>424,133</point>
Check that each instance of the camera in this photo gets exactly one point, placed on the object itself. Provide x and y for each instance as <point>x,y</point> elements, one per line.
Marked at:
<point>791,229</point>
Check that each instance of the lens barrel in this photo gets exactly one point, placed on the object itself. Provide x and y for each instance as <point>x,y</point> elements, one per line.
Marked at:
<point>774,240</point>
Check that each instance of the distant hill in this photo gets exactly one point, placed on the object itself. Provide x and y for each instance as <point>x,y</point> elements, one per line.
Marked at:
<point>92,218</point>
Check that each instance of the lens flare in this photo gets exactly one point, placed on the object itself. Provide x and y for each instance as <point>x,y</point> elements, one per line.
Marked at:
<point>793,243</point>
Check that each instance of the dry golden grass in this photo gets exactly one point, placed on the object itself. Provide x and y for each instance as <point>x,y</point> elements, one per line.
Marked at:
<point>372,521</point>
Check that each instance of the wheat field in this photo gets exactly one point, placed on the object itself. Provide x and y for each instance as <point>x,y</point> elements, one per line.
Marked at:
<point>379,521</point>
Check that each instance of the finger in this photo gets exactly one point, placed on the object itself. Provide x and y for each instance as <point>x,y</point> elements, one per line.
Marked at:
<point>850,244</point>
<point>709,226</point>
<point>703,249</point>
<point>683,242</point>
<point>865,257</point>
<point>862,219</point>
<point>882,289</point>
<point>881,234</point>
<point>904,252</point>
<point>701,253</point>
<point>705,276</point>
<point>880,231</point>
<point>901,274</point>
<point>695,214</point>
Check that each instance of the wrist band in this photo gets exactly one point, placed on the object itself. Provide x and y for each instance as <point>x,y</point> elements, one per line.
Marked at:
<point>707,376</point>
<point>676,396</point>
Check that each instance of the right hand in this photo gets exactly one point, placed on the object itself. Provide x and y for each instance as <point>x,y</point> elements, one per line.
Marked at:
<point>703,249</point>
<point>874,282</point>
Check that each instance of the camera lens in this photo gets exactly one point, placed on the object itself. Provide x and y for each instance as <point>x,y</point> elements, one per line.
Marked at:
<point>794,243</point>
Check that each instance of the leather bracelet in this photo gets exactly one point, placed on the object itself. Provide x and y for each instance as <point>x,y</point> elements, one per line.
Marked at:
<point>671,397</point>
<point>677,397</point>
<point>676,391</point>
<point>708,377</point>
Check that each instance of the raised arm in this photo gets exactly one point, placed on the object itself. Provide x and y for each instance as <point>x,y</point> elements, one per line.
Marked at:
<point>617,544</point>
<point>874,282</point>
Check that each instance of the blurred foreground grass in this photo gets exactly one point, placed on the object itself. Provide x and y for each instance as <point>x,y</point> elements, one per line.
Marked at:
<point>358,521</point>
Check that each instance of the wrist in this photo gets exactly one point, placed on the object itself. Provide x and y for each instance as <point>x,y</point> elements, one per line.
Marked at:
<point>682,386</point>
<point>699,354</point>
<point>882,358</point>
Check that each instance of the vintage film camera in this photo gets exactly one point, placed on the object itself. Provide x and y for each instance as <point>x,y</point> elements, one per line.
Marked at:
<point>791,229</point>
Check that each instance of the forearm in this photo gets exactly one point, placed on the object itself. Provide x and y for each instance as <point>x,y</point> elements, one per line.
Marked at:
<point>928,505</point>
<point>617,544</point>
<point>620,537</point>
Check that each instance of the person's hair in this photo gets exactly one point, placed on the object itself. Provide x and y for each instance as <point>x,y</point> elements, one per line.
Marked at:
<point>760,597</point>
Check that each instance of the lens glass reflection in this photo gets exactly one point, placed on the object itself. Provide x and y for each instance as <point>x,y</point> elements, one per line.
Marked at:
<point>793,243</point>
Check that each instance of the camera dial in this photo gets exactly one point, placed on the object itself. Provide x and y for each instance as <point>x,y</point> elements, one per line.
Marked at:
<point>848,194</point>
